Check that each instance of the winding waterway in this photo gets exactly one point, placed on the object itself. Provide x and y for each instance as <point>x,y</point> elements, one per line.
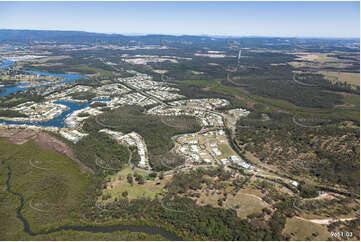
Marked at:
<point>57,121</point>
<point>93,229</point>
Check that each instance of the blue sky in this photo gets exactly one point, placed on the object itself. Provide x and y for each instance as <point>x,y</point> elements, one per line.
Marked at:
<point>283,19</point>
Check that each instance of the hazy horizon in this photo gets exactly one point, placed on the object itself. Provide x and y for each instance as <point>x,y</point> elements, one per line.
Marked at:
<point>180,34</point>
<point>238,19</point>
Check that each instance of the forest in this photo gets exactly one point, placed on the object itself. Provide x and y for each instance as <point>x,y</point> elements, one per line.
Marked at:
<point>157,135</point>
<point>296,150</point>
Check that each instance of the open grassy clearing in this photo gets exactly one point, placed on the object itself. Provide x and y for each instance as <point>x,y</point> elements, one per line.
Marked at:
<point>197,72</point>
<point>245,204</point>
<point>353,99</point>
<point>226,150</point>
<point>319,60</point>
<point>304,230</point>
<point>98,71</point>
<point>351,78</point>
<point>317,57</point>
<point>118,183</point>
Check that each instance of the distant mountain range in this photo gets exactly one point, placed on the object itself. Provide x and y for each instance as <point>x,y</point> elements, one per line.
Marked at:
<point>82,37</point>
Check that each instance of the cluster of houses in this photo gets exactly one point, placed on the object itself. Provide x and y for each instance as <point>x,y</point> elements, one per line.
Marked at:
<point>65,94</point>
<point>238,112</point>
<point>135,98</point>
<point>72,134</point>
<point>141,90</point>
<point>190,147</point>
<point>27,126</point>
<point>132,139</point>
<point>37,112</point>
<point>204,103</point>
<point>164,95</point>
<point>145,59</point>
<point>180,108</point>
<point>204,147</point>
<point>141,82</point>
<point>76,118</point>
<point>108,90</point>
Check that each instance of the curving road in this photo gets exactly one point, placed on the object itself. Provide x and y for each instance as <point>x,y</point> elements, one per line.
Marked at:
<point>325,221</point>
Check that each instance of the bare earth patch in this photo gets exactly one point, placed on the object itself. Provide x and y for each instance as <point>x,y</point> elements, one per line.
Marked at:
<point>49,58</point>
<point>45,140</point>
<point>49,142</point>
<point>18,137</point>
<point>160,71</point>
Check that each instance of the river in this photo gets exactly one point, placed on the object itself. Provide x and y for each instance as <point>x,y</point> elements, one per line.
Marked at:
<point>93,229</point>
<point>57,121</point>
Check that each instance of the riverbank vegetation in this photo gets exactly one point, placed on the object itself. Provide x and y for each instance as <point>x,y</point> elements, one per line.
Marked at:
<point>51,185</point>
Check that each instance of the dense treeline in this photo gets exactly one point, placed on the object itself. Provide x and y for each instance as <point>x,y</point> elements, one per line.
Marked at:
<point>15,99</point>
<point>11,113</point>
<point>8,82</point>
<point>80,64</point>
<point>100,146</point>
<point>82,95</point>
<point>271,81</point>
<point>156,134</point>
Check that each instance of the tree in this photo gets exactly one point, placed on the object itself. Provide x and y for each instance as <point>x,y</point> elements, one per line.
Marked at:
<point>130,178</point>
<point>161,175</point>
<point>153,174</point>
<point>140,180</point>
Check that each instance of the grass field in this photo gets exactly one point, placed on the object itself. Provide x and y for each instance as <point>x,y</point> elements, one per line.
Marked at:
<point>226,150</point>
<point>317,57</point>
<point>117,186</point>
<point>303,230</point>
<point>351,78</point>
<point>99,71</point>
<point>318,60</point>
<point>245,204</point>
<point>197,72</point>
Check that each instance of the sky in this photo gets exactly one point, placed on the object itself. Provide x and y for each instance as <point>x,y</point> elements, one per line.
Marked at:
<point>282,19</point>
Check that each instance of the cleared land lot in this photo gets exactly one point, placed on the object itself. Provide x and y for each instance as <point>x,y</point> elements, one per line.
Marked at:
<point>116,186</point>
<point>303,230</point>
<point>351,78</point>
<point>245,204</point>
